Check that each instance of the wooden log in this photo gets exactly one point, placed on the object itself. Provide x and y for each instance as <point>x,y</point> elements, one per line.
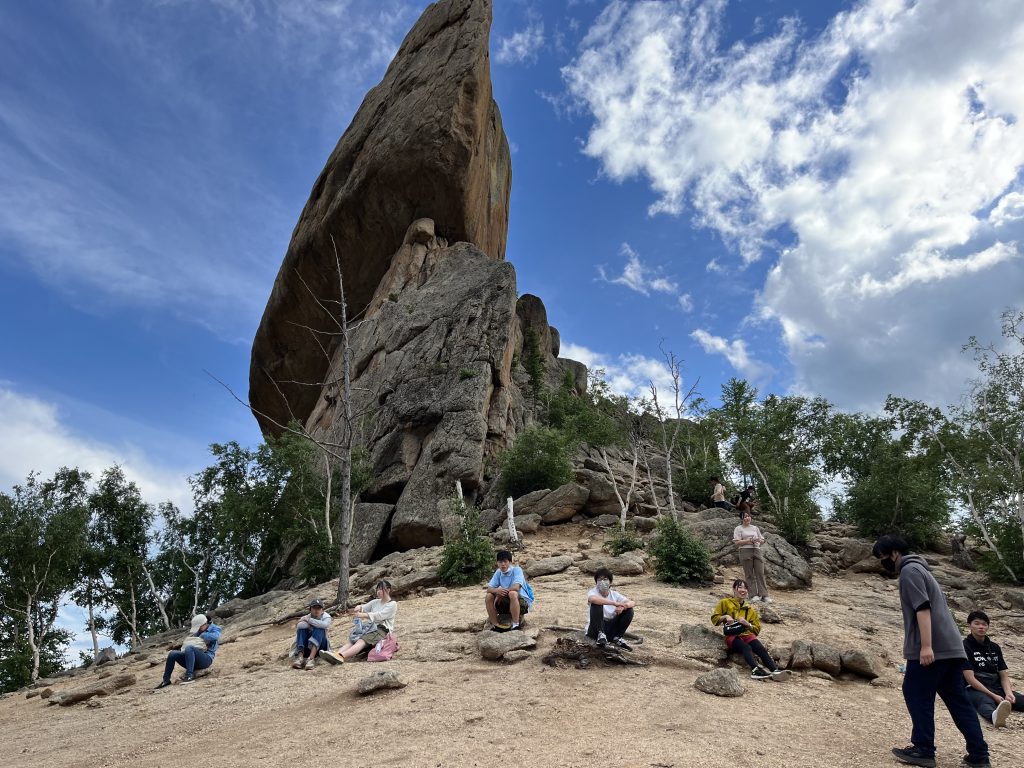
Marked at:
<point>583,653</point>
<point>86,692</point>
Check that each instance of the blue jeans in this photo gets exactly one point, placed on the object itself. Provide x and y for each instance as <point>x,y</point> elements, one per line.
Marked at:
<point>306,636</point>
<point>945,678</point>
<point>190,658</point>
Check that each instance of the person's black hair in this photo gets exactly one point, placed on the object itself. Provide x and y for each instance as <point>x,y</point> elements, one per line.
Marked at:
<point>602,573</point>
<point>713,479</point>
<point>383,584</point>
<point>886,545</point>
<point>504,554</point>
<point>978,615</point>
<point>740,581</point>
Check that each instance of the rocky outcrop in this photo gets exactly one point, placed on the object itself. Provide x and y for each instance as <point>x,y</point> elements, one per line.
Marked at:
<point>426,142</point>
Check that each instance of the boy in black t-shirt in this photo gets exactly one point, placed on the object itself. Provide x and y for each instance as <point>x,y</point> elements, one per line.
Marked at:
<point>988,679</point>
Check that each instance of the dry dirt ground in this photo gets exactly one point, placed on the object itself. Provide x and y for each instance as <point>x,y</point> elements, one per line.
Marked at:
<point>459,710</point>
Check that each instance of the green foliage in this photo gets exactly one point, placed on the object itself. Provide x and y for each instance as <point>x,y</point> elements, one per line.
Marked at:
<point>467,557</point>
<point>1008,537</point>
<point>533,363</point>
<point>679,557</point>
<point>319,562</point>
<point>393,297</point>
<point>539,458</point>
<point>621,541</point>
<point>598,418</point>
<point>466,373</point>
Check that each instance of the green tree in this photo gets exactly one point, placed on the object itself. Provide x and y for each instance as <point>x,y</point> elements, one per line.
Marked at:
<point>539,458</point>
<point>468,555</point>
<point>42,534</point>
<point>679,557</point>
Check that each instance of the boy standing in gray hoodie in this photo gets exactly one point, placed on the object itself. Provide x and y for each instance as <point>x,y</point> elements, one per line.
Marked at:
<point>935,658</point>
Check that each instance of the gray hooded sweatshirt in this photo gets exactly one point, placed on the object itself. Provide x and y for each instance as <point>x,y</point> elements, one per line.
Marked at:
<point>919,589</point>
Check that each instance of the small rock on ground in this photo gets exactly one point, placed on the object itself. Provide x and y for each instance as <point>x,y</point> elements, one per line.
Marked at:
<point>379,681</point>
<point>720,682</point>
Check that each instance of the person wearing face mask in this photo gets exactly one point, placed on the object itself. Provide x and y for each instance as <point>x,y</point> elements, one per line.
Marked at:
<point>373,621</point>
<point>741,625</point>
<point>935,658</point>
<point>611,612</point>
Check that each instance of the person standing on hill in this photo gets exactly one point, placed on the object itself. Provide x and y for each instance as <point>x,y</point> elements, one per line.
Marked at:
<point>935,658</point>
<point>748,539</point>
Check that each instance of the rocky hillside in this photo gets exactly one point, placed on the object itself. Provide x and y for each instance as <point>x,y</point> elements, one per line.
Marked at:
<point>468,698</point>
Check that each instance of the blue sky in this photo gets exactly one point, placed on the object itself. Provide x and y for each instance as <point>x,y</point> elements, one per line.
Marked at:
<point>825,197</point>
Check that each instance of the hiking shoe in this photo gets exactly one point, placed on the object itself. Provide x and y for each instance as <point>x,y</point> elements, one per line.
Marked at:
<point>163,684</point>
<point>331,658</point>
<point>618,641</point>
<point>188,679</point>
<point>976,762</point>
<point>1000,714</point>
<point>602,639</point>
<point>914,756</point>
<point>760,673</point>
<point>310,663</point>
<point>300,663</point>
<point>782,674</point>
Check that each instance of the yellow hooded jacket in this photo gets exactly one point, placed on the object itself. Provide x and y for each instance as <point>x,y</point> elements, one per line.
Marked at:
<point>731,606</point>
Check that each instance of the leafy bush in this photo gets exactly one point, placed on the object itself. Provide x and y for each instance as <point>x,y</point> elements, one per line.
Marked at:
<point>468,557</point>
<point>679,558</point>
<point>320,562</point>
<point>539,458</point>
<point>623,541</point>
<point>1008,537</point>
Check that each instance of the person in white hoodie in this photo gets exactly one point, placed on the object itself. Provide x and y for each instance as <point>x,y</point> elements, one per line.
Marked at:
<point>372,623</point>
<point>311,635</point>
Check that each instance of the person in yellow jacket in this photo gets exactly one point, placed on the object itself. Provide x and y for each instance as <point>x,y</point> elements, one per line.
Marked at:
<point>741,623</point>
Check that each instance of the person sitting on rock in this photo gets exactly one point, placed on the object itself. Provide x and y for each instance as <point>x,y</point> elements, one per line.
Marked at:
<point>988,679</point>
<point>742,625</point>
<point>748,539</point>
<point>311,635</point>
<point>507,593</point>
<point>611,612</point>
<point>197,651</point>
<point>718,495</point>
<point>745,500</point>
<point>373,621</point>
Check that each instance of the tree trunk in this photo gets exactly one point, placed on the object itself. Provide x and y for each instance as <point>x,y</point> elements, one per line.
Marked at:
<point>327,503</point>
<point>345,459</point>
<point>513,534</point>
<point>156,597</point>
<point>92,630</point>
<point>31,636</point>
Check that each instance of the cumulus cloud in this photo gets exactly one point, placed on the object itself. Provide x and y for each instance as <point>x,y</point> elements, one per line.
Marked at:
<point>33,437</point>
<point>878,164</point>
<point>627,374</point>
<point>522,46</point>
<point>734,351</point>
<point>642,278</point>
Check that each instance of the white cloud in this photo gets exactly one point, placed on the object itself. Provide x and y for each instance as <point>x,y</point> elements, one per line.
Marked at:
<point>686,303</point>
<point>734,351</point>
<point>34,438</point>
<point>639,277</point>
<point>887,148</point>
<point>522,46</point>
<point>626,374</point>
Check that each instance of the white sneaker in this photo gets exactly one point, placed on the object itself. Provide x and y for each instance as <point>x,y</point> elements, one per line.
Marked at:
<point>310,663</point>
<point>1001,713</point>
<point>766,599</point>
<point>299,663</point>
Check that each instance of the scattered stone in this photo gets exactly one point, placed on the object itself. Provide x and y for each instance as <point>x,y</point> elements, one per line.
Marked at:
<point>529,523</point>
<point>819,674</point>
<point>32,694</point>
<point>645,524</point>
<point>605,521</point>
<point>515,656</point>
<point>380,680</point>
<point>802,655</point>
<point>768,614</point>
<point>494,645</point>
<point>562,503</point>
<point>826,658</point>
<point>106,656</point>
<point>623,565</point>
<point>548,566</point>
<point>84,693</point>
<point>46,693</point>
<point>584,544</point>
<point>702,643</point>
<point>431,591</point>
<point>720,682</point>
<point>859,663</point>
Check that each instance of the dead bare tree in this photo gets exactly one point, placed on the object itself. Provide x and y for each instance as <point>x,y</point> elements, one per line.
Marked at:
<point>679,402</point>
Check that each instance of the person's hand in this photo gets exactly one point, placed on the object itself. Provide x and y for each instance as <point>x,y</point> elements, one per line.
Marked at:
<point>727,618</point>
<point>619,608</point>
<point>927,655</point>
<point>744,622</point>
<point>997,698</point>
<point>1011,698</point>
<point>502,592</point>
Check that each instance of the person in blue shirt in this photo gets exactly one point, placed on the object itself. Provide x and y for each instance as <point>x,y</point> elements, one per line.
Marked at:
<point>507,593</point>
<point>197,651</point>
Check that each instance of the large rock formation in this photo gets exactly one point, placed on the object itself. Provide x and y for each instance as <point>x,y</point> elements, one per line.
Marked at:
<point>426,142</point>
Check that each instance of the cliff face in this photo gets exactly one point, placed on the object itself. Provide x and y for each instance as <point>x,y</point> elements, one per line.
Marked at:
<point>426,142</point>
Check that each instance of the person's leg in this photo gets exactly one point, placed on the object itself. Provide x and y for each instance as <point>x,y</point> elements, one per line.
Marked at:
<point>762,653</point>
<point>982,703</point>
<point>190,661</point>
<point>302,641</point>
<point>492,613</point>
<point>1018,704</point>
<point>596,621</point>
<point>919,688</point>
<point>760,583</point>
<point>201,660</point>
<point>617,627</point>
<point>951,690</point>
<point>513,607</point>
<point>739,645</point>
<point>174,657</point>
<point>747,562</point>
<point>353,649</point>
<point>317,640</point>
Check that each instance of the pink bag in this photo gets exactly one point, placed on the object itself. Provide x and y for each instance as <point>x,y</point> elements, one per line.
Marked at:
<point>385,649</point>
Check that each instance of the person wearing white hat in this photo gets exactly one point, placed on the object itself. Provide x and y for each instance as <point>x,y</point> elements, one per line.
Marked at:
<point>197,650</point>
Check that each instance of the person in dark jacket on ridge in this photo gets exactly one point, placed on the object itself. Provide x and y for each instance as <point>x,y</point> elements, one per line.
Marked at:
<point>935,658</point>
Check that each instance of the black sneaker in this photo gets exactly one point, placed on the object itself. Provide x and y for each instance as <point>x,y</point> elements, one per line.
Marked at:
<point>976,762</point>
<point>602,639</point>
<point>188,679</point>
<point>163,684</point>
<point>914,756</point>
<point>618,641</point>
<point>760,673</point>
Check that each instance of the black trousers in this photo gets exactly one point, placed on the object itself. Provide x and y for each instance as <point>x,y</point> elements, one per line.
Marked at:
<point>750,646</point>
<point>945,678</point>
<point>612,628</point>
